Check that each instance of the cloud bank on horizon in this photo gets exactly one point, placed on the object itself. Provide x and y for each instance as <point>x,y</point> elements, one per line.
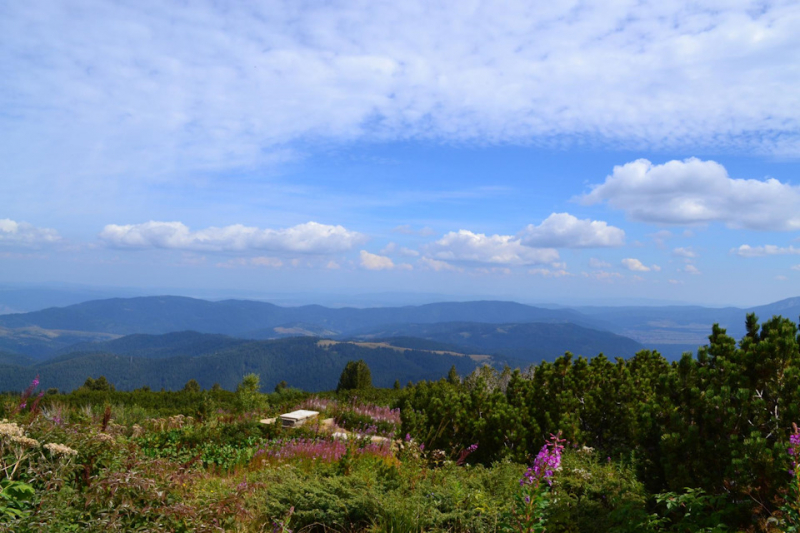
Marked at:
<point>239,130</point>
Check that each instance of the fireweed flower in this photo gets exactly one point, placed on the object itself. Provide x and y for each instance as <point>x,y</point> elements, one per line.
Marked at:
<point>794,444</point>
<point>466,452</point>
<point>547,462</point>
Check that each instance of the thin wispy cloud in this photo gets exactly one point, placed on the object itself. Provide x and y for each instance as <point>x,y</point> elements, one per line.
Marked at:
<point>153,90</point>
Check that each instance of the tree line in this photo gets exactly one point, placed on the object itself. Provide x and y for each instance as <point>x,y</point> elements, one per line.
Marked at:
<point>719,421</point>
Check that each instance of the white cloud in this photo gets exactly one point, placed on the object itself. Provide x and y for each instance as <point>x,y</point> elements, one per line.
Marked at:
<point>24,234</point>
<point>262,261</point>
<point>660,236</point>
<point>635,265</point>
<point>602,275</point>
<point>505,271</point>
<point>405,266</point>
<point>674,282</point>
<point>781,278</point>
<point>562,230</point>
<point>695,192</point>
<point>598,263</point>
<point>795,267</point>
<point>547,273</point>
<point>152,88</point>
<point>389,248</point>
<point>376,262</point>
<point>333,265</point>
<point>437,266</point>
<point>311,237</point>
<point>406,229</point>
<point>392,248</point>
<point>691,269</point>
<point>466,246</point>
<point>746,250</point>
<point>685,252</point>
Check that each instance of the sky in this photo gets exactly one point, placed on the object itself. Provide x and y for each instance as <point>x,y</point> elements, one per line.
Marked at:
<point>536,151</point>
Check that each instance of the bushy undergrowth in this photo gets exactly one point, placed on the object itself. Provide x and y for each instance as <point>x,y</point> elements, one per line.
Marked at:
<point>704,445</point>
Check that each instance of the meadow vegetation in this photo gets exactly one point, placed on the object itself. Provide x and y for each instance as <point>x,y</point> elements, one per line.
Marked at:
<point>706,444</point>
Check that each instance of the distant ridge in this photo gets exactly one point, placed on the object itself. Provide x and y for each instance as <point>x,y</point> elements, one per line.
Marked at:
<point>164,314</point>
<point>528,342</point>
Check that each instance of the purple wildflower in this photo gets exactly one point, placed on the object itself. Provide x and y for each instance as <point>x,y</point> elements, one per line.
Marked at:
<point>465,453</point>
<point>794,443</point>
<point>546,463</point>
<point>317,450</point>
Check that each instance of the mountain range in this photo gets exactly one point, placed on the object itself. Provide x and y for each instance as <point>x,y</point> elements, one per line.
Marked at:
<point>158,336</point>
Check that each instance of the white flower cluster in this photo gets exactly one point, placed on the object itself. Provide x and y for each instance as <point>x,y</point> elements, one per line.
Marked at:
<point>9,430</point>
<point>14,434</point>
<point>60,450</point>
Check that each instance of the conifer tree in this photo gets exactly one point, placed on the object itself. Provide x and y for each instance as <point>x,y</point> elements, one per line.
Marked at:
<point>356,375</point>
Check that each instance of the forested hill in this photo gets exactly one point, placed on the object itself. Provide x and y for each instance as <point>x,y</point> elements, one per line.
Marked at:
<point>164,314</point>
<point>185,343</point>
<point>306,363</point>
<point>531,342</point>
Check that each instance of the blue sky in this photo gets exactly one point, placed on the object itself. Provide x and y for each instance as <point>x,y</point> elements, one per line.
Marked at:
<point>564,152</point>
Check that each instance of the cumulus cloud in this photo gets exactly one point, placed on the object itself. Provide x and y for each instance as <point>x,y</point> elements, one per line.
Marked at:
<point>406,229</point>
<point>505,271</point>
<point>795,267</point>
<point>695,192</point>
<point>392,248</point>
<point>746,250</point>
<point>25,234</point>
<point>262,261</point>
<point>548,273</point>
<point>602,275</point>
<point>152,88</point>
<point>691,269</point>
<point>660,237</point>
<point>375,262</point>
<point>437,266</point>
<point>685,252</point>
<point>466,246</point>
<point>637,266</point>
<point>562,230</point>
<point>598,263</point>
<point>309,238</point>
